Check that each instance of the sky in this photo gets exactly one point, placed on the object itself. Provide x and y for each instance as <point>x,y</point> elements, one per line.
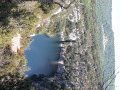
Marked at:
<point>116,30</point>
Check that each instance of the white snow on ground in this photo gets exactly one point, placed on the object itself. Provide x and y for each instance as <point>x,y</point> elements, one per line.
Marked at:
<point>73,35</point>
<point>32,35</point>
<point>60,62</point>
<point>105,40</point>
<point>58,11</point>
<point>75,15</point>
<point>16,43</point>
<point>62,36</point>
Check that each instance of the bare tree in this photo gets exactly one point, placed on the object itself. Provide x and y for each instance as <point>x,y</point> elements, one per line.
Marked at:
<point>112,77</point>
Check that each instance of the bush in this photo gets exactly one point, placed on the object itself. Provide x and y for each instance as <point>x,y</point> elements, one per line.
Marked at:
<point>46,7</point>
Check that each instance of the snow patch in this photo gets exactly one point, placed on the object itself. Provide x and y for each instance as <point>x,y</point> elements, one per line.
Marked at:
<point>105,40</point>
<point>60,62</point>
<point>16,43</point>
<point>32,35</point>
<point>75,15</point>
<point>73,35</point>
<point>58,11</point>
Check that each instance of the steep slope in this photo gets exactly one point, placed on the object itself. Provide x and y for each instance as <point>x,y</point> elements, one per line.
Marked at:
<point>79,66</point>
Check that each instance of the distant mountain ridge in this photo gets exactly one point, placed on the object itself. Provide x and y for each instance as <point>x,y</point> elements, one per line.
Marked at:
<point>107,54</point>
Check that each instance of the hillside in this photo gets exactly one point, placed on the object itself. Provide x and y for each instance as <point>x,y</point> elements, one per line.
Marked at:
<point>79,65</point>
<point>104,10</point>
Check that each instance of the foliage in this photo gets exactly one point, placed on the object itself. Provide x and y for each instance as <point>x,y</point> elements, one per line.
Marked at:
<point>14,20</point>
<point>15,82</point>
<point>46,7</point>
<point>83,61</point>
<point>83,53</point>
<point>87,2</point>
<point>6,11</point>
<point>11,63</point>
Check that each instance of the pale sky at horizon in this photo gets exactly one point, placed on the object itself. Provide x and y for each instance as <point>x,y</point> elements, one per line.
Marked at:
<point>116,29</point>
